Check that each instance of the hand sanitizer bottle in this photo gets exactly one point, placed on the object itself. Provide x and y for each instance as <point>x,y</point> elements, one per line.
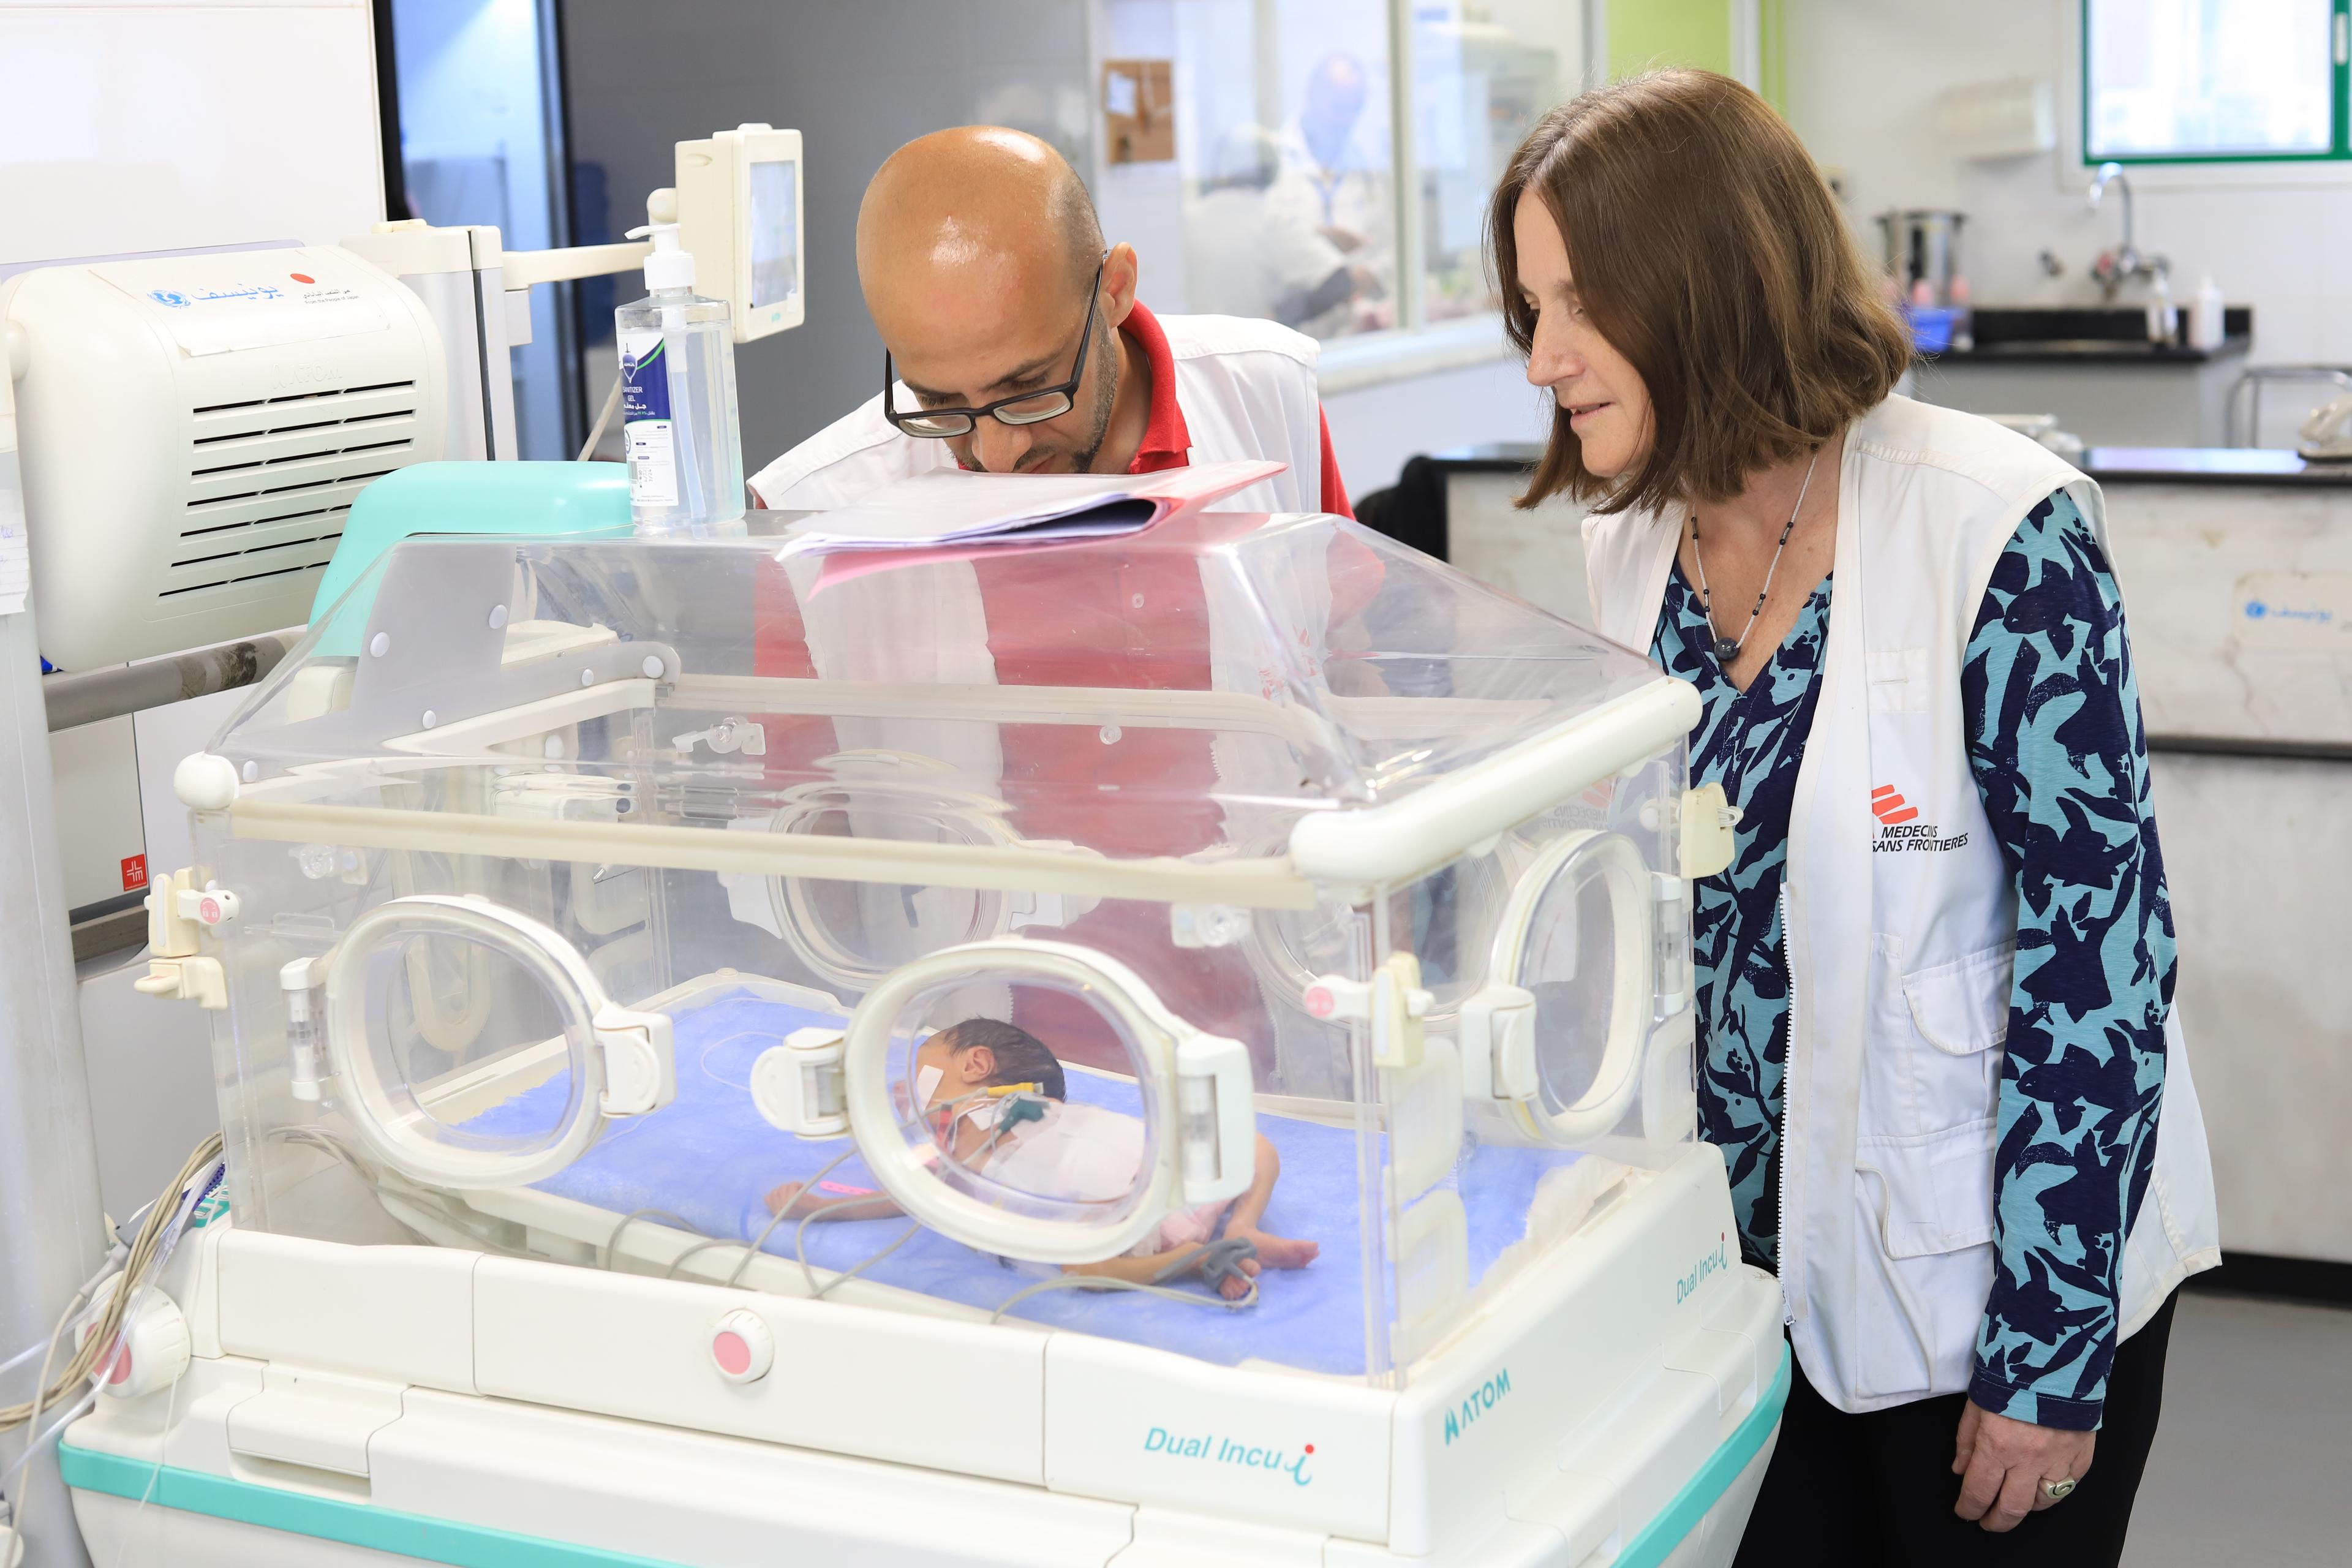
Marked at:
<point>677,400</point>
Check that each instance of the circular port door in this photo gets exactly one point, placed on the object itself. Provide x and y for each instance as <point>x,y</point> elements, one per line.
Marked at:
<point>1097,1113</point>
<point>851,934</point>
<point>1566,1012</point>
<point>550,1060</point>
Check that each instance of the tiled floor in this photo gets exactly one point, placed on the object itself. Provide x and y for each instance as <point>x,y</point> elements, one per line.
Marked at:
<point>2252,1465</point>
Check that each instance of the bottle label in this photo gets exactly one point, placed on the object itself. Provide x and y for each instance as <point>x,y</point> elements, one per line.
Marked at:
<point>645,427</point>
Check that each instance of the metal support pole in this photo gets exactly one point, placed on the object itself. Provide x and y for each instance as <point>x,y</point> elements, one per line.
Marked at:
<point>51,1225</point>
<point>87,697</point>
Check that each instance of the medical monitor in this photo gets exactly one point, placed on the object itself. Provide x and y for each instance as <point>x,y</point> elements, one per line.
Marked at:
<point>739,212</point>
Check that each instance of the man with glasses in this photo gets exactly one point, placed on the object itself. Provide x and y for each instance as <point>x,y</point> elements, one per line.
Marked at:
<point>1013,341</point>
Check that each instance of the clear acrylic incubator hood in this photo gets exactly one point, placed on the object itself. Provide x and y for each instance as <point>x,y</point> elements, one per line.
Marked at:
<point>1192,1026</point>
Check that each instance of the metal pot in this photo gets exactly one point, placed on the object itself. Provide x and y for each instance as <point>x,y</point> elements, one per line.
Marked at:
<point>1923,244</point>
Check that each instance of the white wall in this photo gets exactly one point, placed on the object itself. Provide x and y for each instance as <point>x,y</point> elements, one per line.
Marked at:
<point>128,128</point>
<point>474,128</point>
<point>1862,77</point>
<point>1375,428</point>
<point>163,127</point>
<point>858,80</point>
<point>845,77</point>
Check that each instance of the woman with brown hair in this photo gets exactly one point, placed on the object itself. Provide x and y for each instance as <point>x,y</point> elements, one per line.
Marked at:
<point>1935,1015</point>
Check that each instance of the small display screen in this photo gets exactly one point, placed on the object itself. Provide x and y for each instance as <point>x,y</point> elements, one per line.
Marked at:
<point>775,232</point>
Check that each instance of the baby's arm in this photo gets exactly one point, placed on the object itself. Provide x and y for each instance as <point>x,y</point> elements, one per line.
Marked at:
<point>829,1200</point>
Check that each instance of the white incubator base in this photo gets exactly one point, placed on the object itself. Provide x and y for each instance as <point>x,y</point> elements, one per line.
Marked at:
<point>1616,1406</point>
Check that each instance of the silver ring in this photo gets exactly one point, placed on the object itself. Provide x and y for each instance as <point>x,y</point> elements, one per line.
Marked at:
<point>2057,1491</point>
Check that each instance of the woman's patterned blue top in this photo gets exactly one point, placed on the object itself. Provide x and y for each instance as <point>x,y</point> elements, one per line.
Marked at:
<point>2060,761</point>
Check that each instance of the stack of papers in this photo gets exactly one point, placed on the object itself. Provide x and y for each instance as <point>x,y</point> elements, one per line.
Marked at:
<point>955,509</point>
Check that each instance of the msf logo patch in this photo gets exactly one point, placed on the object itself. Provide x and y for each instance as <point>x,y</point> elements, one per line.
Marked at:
<point>1900,831</point>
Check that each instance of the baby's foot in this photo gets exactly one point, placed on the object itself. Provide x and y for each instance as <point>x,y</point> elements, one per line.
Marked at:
<point>1233,1287</point>
<point>1279,1251</point>
<point>781,1198</point>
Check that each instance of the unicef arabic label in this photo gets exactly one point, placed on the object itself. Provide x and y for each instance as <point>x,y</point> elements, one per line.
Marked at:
<point>650,435</point>
<point>2307,611</point>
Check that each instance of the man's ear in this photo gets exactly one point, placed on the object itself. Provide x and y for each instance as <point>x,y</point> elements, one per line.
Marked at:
<point>1119,276</point>
<point>977,1065</point>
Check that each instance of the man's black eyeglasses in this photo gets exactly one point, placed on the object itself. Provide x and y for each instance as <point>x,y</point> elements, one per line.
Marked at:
<point>1023,408</point>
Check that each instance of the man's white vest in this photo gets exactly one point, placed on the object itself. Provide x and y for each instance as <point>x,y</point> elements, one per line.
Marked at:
<point>1901,941</point>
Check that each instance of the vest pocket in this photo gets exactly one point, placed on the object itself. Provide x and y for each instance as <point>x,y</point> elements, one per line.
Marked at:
<point>1923,1258</point>
<point>1923,1171</point>
<point>1934,1062</point>
<point>1931,1193</point>
<point>1962,1007</point>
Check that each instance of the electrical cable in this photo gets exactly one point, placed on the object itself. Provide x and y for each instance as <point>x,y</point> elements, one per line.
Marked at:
<point>1018,1094</point>
<point>151,1247</point>
<point>154,1476</point>
<point>766,1230</point>
<point>612,403</point>
<point>612,1242</point>
<point>117,1249</point>
<point>703,1245</point>
<point>904,1236</point>
<point>1235,1248</point>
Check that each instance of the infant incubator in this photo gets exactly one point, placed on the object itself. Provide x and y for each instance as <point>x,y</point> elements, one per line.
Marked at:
<point>598,932</point>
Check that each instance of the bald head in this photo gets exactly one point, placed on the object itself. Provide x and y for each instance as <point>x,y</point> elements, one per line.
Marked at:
<point>971,212</point>
<point>983,261</point>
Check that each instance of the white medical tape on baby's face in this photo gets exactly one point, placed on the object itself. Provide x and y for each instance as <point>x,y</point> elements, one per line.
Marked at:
<point>927,1079</point>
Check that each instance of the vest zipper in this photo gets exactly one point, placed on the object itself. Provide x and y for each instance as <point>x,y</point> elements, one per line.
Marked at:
<point>1787,1093</point>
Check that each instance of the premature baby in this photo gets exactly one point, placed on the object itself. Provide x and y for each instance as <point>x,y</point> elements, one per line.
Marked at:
<point>1043,1143</point>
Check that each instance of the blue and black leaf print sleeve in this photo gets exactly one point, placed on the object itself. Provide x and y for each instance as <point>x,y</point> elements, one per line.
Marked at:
<point>2061,759</point>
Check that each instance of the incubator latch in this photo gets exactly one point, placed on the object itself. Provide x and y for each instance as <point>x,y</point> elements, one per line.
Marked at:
<point>1498,1042</point>
<point>1216,1113</point>
<point>797,1087</point>
<point>726,738</point>
<point>640,1075</point>
<point>179,910</point>
<point>1392,1002</point>
<point>1670,912</point>
<point>1706,837</point>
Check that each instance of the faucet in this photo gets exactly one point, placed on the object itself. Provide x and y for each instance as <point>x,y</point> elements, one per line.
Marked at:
<point>2114,268</point>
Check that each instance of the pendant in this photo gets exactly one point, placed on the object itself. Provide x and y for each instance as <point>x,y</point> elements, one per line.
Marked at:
<point>1725,651</point>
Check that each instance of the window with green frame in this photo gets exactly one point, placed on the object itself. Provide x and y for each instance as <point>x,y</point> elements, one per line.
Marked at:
<point>2212,81</point>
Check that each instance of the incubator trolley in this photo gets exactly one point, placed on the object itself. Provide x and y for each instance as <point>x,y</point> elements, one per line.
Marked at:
<point>1127,1050</point>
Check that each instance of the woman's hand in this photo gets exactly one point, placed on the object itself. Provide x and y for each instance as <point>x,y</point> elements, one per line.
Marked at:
<point>2004,1463</point>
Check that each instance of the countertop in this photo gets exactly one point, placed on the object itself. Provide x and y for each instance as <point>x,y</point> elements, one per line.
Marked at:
<point>2087,352</point>
<point>2210,466</point>
<point>2105,336</point>
<point>2108,465</point>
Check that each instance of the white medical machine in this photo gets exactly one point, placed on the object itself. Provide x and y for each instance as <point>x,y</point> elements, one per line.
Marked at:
<point>739,214</point>
<point>562,904</point>
<point>193,426</point>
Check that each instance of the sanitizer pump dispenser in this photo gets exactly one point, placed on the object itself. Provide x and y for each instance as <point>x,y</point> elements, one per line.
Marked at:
<point>677,400</point>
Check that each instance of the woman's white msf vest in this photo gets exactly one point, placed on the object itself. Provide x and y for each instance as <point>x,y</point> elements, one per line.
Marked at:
<point>1901,919</point>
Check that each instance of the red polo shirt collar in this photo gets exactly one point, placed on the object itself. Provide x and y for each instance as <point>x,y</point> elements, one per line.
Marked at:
<point>1167,443</point>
